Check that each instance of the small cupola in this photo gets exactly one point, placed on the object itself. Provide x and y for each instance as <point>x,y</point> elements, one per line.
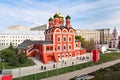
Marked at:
<point>68,17</point>
<point>56,16</point>
<point>50,19</point>
<point>50,22</point>
<point>68,20</point>
<point>56,19</point>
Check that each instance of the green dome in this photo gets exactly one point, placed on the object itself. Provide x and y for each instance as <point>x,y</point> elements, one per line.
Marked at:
<point>56,16</point>
<point>68,17</point>
<point>50,19</point>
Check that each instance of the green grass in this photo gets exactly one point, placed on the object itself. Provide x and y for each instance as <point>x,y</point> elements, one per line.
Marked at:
<point>110,73</point>
<point>6,65</point>
<point>103,58</point>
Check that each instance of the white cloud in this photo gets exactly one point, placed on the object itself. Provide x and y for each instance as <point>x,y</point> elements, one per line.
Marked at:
<point>100,12</point>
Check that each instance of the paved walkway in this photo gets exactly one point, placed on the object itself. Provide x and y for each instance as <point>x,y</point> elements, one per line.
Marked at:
<point>84,71</point>
<point>18,72</point>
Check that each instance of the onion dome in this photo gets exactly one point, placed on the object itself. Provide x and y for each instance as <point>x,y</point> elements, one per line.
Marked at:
<point>56,16</point>
<point>50,19</point>
<point>60,15</point>
<point>68,17</point>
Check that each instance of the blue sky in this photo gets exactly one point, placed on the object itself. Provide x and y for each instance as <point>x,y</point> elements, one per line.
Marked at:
<point>85,14</point>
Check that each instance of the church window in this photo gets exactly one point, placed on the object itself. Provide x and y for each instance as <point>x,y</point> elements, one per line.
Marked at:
<point>76,45</point>
<point>64,38</point>
<point>51,48</point>
<point>69,38</point>
<point>70,47</point>
<point>58,47</point>
<point>58,38</point>
<point>47,48</point>
<point>64,47</point>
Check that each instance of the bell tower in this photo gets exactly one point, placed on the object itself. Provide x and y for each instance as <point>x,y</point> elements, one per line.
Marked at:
<point>114,40</point>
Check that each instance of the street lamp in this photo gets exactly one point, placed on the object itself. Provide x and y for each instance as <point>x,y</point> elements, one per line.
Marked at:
<point>66,66</point>
<point>3,63</point>
<point>76,60</point>
<point>45,69</point>
<point>56,68</point>
<point>73,65</point>
<point>19,72</point>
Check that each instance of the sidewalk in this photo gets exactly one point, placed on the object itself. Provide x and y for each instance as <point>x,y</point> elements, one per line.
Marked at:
<point>84,71</point>
<point>24,71</point>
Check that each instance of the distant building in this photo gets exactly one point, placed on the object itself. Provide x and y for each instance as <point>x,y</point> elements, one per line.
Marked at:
<point>89,34</point>
<point>40,28</point>
<point>59,42</point>
<point>100,36</point>
<point>115,40</point>
<point>18,36</point>
<point>104,36</point>
<point>18,27</point>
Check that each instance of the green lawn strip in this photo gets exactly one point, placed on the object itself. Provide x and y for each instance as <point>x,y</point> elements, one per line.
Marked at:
<point>103,58</point>
<point>110,73</point>
<point>6,65</point>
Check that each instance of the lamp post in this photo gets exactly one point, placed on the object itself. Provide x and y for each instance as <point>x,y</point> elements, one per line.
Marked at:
<point>45,69</point>
<point>3,63</point>
<point>66,66</point>
<point>19,73</point>
<point>73,65</point>
<point>76,60</point>
<point>57,68</point>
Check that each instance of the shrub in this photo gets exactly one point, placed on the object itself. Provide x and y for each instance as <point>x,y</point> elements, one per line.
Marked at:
<point>13,61</point>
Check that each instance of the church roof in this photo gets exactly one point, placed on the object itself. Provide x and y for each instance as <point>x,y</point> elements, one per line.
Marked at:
<point>68,17</point>
<point>58,15</point>
<point>27,43</point>
<point>50,19</point>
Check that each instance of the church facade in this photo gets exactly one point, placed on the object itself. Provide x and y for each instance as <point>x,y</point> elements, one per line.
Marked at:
<point>115,40</point>
<point>59,44</point>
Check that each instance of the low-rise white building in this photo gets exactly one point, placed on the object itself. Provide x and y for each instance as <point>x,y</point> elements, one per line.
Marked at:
<point>18,36</point>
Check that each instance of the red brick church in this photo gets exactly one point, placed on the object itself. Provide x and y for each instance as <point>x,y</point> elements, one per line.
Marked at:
<point>59,42</point>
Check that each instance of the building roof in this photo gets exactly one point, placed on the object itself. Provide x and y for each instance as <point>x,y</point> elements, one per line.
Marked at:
<point>40,28</point>
<point>21,32</point>
<point>60,15</point>
<point>68,17</point>
<point>19,27</point>
<point>50,19</point>
<point>27,43</point>
<point>61,27</point>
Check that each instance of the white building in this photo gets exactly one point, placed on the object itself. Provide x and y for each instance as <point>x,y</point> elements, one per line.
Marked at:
<point>18,36</point>
<point>89,34</point>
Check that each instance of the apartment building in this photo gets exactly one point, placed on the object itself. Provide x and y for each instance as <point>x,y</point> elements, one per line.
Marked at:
<point>89,34</point>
